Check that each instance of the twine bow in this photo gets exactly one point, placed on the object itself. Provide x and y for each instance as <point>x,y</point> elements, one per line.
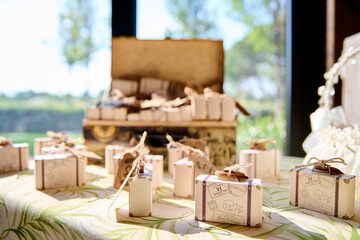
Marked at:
<point>77,152</point>
<point>59,138</point>
<point>233,172</point>
<point>4,142</point>
<point>323,165</point>
<point>259,144</point>
<point>137,164</point>
<point>187,149</point>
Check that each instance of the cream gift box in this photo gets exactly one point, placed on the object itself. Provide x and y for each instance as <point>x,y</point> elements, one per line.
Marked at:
<point>93,113</point>
<point>184,178</point>
<point>174,155</point>
<point>198,107</point>
<point>157,162</point>
<point>122,166</point>
<point>228,109</point>
<point>160,116</point>
<point>264,163</point>
<point>146,115</point>
<point>133,117</point>
<point>214,107</point>
<point>120,114</point>
<point>140,193</point>
<point>173,114</point>
<point>319,191</point>
<point>111,151</point>
<point>107,113</point>
<point>14,157</point>
<point>234,202</point>
<point>39,143</point>
<point>59,170</point>
<point>186,113</point>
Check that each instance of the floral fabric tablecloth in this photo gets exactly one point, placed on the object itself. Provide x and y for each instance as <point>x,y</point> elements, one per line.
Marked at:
<point>83,213</point>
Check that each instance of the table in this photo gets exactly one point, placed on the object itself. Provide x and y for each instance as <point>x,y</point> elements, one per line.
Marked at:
<point>82,213</point>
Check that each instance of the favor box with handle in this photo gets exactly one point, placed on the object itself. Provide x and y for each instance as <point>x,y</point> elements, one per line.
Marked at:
<point>174,155</point>
<point>264,163</point>
<point>140,193</point>
<point>234,202</point>
<point>59,170</point>
<point>157,162</point>
<point>14,157</point>
<point>321,192</point>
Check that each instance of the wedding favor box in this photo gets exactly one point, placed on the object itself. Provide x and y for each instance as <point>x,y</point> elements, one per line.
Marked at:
<point>264,163</point>
<point>140,193</point>
<point>228,109</point>
<point>59,170</point>
<point>198,106</point>
<point>173,115</point>
<point>133,117</point>
<point>93,113</point>
<point>184,178</point>
<point>14,157</point>
<point>174,155</point>
<point>111,151</point>
<point>157,162</point>
<point>186,113</point>
<point>319,191</point>
<point>107,113</point>
<point>122,166</point>
<point>160,116</point>
<point>120,114</point>
<point>42,142</point>
<point>146,115</point>
<point>214,107</point>
<point>231,202</point>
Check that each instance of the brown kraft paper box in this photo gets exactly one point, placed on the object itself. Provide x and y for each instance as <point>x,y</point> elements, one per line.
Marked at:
<point>14,157</point>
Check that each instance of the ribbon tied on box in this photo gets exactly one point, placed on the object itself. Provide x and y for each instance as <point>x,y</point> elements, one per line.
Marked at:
<point>233,173</point>
<point>78,152</point>
<point>4,142</point>
<point>187,149</point>
<point>59,138</point>
<point>259,144</point>
<point>323,165</point>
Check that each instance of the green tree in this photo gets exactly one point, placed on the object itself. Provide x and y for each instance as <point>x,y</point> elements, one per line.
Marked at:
<point>264,44</point>
<point>193,18</point>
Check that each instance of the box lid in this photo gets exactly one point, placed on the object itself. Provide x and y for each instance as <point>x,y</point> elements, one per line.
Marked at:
<point>192,62</point>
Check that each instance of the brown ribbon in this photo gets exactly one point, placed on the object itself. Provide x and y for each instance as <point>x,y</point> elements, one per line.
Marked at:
<point>259,144</point>
<point>187,149</point>
<point>77,152</point>
<point>4,142</point>
<point>233,173</point>
<point>59,138</point>
<point>323,165</point>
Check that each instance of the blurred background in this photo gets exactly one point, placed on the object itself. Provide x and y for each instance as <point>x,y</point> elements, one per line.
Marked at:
<point>56,58</point>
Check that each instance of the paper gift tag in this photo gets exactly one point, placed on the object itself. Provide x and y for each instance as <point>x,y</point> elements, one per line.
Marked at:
<point>202,165</point>
<point>125,165</point>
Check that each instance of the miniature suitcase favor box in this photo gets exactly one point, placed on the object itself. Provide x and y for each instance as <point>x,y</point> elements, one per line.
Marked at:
<point>53,138</point>
<point>265,162</point>
<point>139,179</point>
<point>62,170</point>
<point>13,157</point>
<point>194,163</point>
<point>229,197</point>
<point>323,188</point>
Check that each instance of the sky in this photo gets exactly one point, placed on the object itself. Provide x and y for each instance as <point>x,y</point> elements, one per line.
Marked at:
<point>30,56</point>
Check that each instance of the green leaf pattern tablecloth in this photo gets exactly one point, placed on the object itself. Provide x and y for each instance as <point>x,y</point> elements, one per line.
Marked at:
<point>82,213</point>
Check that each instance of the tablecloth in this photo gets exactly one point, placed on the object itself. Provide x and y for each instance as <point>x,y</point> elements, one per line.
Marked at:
<point>83,213</point>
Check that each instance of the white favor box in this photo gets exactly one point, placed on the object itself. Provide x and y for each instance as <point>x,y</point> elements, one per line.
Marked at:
<point>93,113</point>
<point>186,113</point>
<point>173,115</point>
<point>184,178</point>
<point>120,114</point>
<point>39,143</point>
<point>214,107</point>
<point>198,107</point>
<point>107,113</point>
<point>14,157</point>
<point>174,155</point>
<point>231,202</point>
<point>146,115</point>
<point>59,170</point>
<point>160,116</point>
<point>264,163</point>
<point>140,194</point>
<point>228,109</point>
<point>157,162</point>
<point>319,191</point>
<point>52,150</point>
<point>133,117</point>
<point>111,165</point>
